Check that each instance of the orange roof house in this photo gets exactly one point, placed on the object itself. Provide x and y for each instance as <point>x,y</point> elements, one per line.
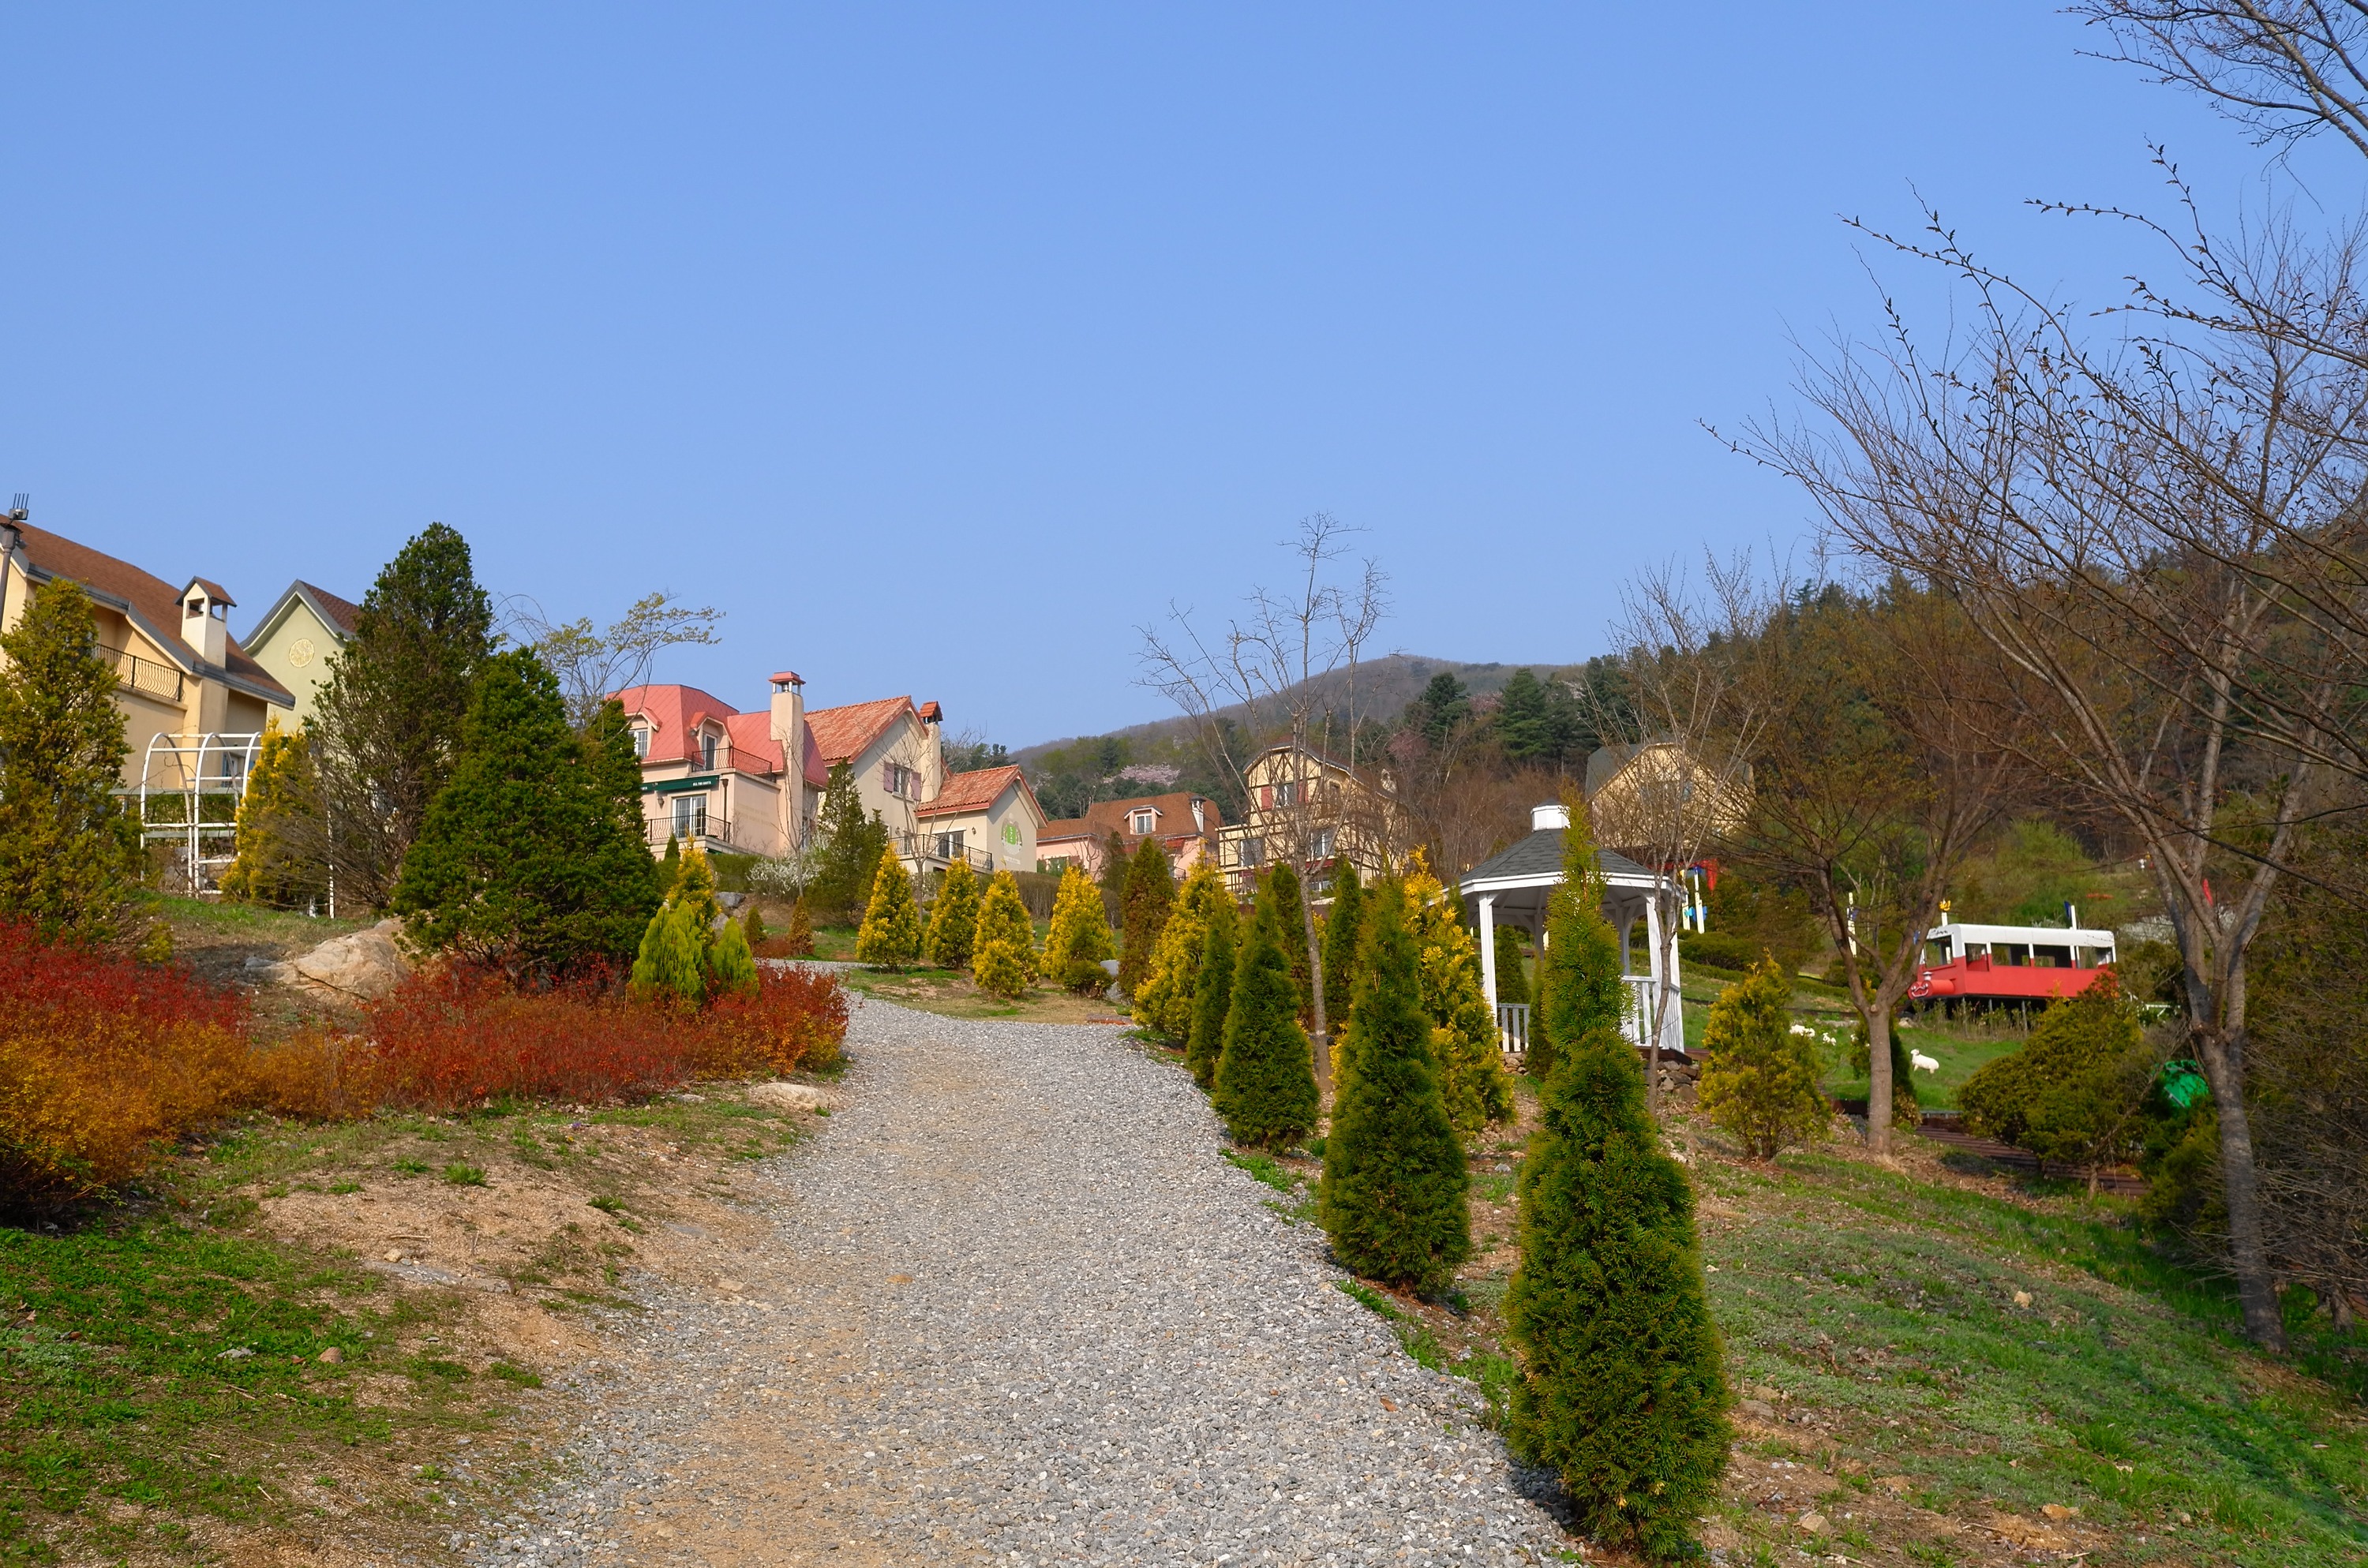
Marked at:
<point>993,812</point>
<point>1185,823</point>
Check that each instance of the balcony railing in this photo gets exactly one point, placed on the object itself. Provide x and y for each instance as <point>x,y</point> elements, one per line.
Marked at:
<point>690,825</point>
<point>147,677</point>
<point>932,850</point>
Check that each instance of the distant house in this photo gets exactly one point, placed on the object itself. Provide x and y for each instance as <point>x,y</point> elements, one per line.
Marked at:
<point>989,817</point>
<point>1645,796</point>
<point>1311,809</point>
<point>296,636</point>
<point>713,774</point>
<point>193,702</point>
<point>1185,823</point>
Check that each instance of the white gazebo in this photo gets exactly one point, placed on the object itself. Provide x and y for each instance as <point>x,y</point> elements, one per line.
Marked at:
<point>1512,888</point>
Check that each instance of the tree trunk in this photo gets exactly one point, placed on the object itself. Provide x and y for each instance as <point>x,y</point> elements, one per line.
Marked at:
<point>2222,1059</point>
<point>1322,1040</point>
<point>1878,1070</point>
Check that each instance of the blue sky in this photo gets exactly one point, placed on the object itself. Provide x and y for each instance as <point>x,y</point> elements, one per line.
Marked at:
<point>943,347</point>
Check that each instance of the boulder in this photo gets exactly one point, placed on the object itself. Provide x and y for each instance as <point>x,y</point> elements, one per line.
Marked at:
<point>793,1097</point>
<point>363,967</point>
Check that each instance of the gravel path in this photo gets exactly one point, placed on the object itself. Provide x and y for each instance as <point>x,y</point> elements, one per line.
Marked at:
<point>1012,1306</point>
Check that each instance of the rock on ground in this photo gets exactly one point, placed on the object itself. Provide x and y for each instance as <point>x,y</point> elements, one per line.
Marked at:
<point>1017,1308</point>
<point>362,966</point>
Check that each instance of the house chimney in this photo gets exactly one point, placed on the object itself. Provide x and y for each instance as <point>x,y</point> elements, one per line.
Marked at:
<point>1543,817</point>
<point>205,621</point>
<point>789,731</point>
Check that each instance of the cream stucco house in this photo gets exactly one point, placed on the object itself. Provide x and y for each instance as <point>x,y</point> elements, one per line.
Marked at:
<point>294,638</point>
<point>989,817</point>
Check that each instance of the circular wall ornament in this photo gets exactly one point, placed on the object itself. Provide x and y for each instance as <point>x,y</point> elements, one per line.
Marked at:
<point>1011,832</point>
<point>300,653</point>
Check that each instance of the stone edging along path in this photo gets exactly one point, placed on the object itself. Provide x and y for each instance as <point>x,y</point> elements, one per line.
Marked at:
<point>1012,1306</point>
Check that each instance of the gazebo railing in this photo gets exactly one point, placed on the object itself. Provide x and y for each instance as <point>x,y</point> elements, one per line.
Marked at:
<point>1513,1032</point>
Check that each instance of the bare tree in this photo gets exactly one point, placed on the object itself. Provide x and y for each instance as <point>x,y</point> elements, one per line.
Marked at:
<point>1689,718</point>
<point>2105,518</point>
<point>592,664</point>
<point>2283,69</point>
<point>1268,664</point>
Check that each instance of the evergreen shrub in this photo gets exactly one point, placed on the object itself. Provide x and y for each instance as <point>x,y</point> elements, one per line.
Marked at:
<point>890,934</point>
<point>1149,896</point>
<point>1080,937</point>
<point>1394,1194</point>
<point>730,967</point>
<point>1266,1072</point>
<point>1512,979</point>
<point>2078,1090</point>
<point>1470,1055</point>
<point>953,917</point>
<point>278,822</point>
<point>1003,963</point>
<point>1212,995</point>
<point>1163,1002</point>
<point>1622,1390</point>
<point>1760,1078</point>
<point>669,966</point>
<point>1344,933</point>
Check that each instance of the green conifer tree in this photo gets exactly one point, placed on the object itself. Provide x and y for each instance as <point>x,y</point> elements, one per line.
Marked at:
<point>1080,938</point>
<point>1623,1389</point>
<point>1759,1078</point>
<point>1150,895</point>
<point>2077,1090</point>
<point>672,866</point>
<point>752,927</point>
<point>1163,1002</point>
<point>694,891</point>
<point>1004,962</point>
<point>1513,980</point>
<point>667,968</point>
<point>1394,1195</point>
<point>953,917</point>
<point>731,967</point>
<point>69,852</point>
<point>798,938</point>
<point>850,845</point>
<point>1464,1042</point>
<point>278,814</point>
<point>890,934</point>
<point>1291,932</point>
<point>1343,941</point>
<point>532,858</point>
<point>1116,864</point>
<point>1212,996</point>
<point>1266,1072</point>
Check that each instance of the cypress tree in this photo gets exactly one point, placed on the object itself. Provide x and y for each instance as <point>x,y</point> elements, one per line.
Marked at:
<point>953,917</point>
<point>532,857</point>
<point>1512,980</point>
<point>667,968</point>
<point>1150,895</point>
<point>1080,938</point>
<point>1759,1078</point>
<point>1394,1198</point>
<point>1623,1389</point>
<point>890,934</point>
<point>1464,1039</point>
<point>1291,932</point>
<point>731,967</point>
<point>1343,940</point>
<point>850,845</point>
<point>673,863</point>
<point>1266,1072</point>
<point>1163,1002</point>
<point>279,814</point>
<point>1116,864</point>
<point>752,927</point>
<point>69,852</point>
<point>694,891</point>
<point>1212,995</point>
<point>1004,962</point>
<point>799,938</point>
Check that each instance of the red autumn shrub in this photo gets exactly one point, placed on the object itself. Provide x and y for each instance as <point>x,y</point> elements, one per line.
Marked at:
<point>102,1057</point>
<point>795,1018</point>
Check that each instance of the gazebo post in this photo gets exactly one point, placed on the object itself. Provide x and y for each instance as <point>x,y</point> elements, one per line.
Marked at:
<point>1488,949</point>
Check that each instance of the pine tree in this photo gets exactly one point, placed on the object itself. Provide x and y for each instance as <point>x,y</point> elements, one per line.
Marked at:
<point>69,852</point>
<point>1004,962</point>
<point>1266,1073</point>
<point>752,927</point>
<point>1623,1389</point>
<point>953,917</point>
<point>1512,980</point>
<point>1759,1078</point>
<point>1470,1055</point>
<point>798,938</point>
<point>731,967</point>
<point>1212,996</point>
<point>532,858</point>
<point>1163,1002</point>
<point>2075,1092</point>
<point>672,866</point>
<point>387,722</point>
<point>1291,932</point>
<point>1343,941</point>
<point>1394,1198</point>
<point>694,891</point>
<point>1079,939</point>
<point>890,935</point>
<point>667,968</point>
<point>850,847</point>
<point>278,816</point>
<point>1150,895</point>
<point>1116,864</point>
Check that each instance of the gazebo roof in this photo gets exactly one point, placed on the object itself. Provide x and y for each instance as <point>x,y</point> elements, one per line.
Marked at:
<point>1536,861</point>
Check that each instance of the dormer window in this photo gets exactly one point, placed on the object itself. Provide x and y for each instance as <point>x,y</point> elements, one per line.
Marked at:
<point>707,751</point>
<point>1143,824</point>
<point>641,740</point>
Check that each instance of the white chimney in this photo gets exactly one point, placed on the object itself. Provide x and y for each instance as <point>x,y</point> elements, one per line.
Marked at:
<point>789,731</point>
<point>205,621</point>
<point>1555,816</point>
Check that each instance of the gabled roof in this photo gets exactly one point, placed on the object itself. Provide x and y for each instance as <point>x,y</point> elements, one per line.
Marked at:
<point>978,791</point>
<point>1537,859</point>
<point>1175,808</point>
<point>150,602</point>
<point>676,713</point>
<point>212,590</point>
<point>331,611</point>
<point>1067,827</point>
<point>842,734</point>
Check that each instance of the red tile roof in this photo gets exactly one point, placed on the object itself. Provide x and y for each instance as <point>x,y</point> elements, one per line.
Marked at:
<point>975,791</point>
<point>152,601</point>
<point>340,612</point>
<point>674,714</point>
<point>1067,827</point>
<point>842,734</point>
<point>1175,821</point>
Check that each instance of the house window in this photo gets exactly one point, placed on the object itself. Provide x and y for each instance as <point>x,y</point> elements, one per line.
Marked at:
<point>690,816</point>
<point>641,740</point>
<point>1287,793</point>
<point>707,751</point>
<point>1320,846</point>
<point>1144,821</point>
<point>901,781</point>
<point>1253,851</point>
